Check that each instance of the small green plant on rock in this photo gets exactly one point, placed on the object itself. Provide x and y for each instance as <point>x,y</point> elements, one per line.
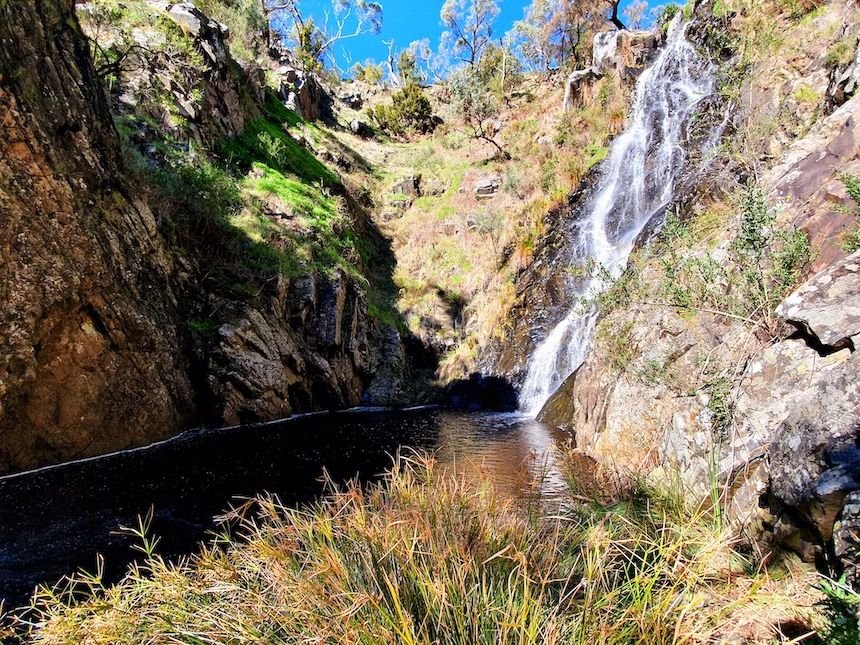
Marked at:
<point>720,406</point>
<point>851,242</point>
<point>769,261</point>
<point>842,610</point>
<point>842,53</point>
<point>618,341</point>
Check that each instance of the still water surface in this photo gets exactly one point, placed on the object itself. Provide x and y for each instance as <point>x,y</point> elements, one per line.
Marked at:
<point>56,520</point>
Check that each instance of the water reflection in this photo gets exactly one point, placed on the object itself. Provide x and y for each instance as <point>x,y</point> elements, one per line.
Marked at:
<point>56,520</point>
<point>514,452</point>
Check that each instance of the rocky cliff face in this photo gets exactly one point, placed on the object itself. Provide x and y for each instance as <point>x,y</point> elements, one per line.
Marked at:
<point>697,381</point>
<point>91,360</point>
<point>96,349</point>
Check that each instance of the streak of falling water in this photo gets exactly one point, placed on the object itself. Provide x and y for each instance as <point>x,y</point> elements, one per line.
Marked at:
<point>637,180</point>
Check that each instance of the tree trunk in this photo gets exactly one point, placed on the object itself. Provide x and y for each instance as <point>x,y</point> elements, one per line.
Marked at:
<point>614,18</point>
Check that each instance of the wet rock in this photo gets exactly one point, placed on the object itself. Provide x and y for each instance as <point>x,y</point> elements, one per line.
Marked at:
<point>828,305</point>
<point>622,51</point>
<point>391,213</point>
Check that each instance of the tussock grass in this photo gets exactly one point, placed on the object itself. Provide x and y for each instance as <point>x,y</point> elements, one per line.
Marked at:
<point>426,557</point>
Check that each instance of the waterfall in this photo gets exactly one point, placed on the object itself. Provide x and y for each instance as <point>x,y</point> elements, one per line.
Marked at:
<point>636,181</point>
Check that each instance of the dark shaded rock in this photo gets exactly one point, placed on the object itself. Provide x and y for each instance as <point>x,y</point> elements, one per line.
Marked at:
<point>846,537</point>
<point>410,186</point>
<point>111,339</point>
<point>845,79</point>
<point>303,93</point>
<point>88,338</point>
<point>560,409</point>
<point>480,392</point>
<point>814,468</point>
<point>350,98</point>
<point>359,128</point>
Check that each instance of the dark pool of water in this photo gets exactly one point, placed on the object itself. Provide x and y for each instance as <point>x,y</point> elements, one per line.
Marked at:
<point>56,520</point>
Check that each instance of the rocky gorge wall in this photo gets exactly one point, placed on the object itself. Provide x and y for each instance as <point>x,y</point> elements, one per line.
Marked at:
<point>89,358</point>
<point>96,349</point>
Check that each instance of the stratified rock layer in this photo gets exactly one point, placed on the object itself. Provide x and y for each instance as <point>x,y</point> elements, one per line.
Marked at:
<point>89,356</point>
<point>97,351</point>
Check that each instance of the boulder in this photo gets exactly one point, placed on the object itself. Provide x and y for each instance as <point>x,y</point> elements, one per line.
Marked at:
<point>434,187</point>
<point>359,128</point>
<point>487,187</point>
<point>410,186</point>
<point>187,16</point>
<point>303,94</point>
<point>351,99</point>
<point>828,306</point>
<point>814,468</point>
<point>579,88</point>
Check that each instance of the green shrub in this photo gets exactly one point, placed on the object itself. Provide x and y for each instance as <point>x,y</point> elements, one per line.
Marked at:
<point>410,111</point>
<point>851,241</point>
<point>842,610</point>
<point>369,72</point>
<point>842,53</point>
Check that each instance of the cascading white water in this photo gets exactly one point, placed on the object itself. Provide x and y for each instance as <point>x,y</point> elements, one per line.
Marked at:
<point>636,181</point>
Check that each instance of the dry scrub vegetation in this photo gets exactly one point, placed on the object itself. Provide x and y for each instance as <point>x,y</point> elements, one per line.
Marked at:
<point>458,255</point>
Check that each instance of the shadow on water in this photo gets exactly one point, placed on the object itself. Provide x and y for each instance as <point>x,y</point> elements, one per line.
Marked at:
<point>55,521</point>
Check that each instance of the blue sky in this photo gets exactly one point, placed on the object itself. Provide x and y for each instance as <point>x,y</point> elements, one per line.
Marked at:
<point>409,20</point>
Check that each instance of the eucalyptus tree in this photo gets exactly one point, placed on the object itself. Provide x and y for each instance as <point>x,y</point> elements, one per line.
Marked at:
<point>555,33</point>
<point>468,27</point>
<point>313,40</point>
